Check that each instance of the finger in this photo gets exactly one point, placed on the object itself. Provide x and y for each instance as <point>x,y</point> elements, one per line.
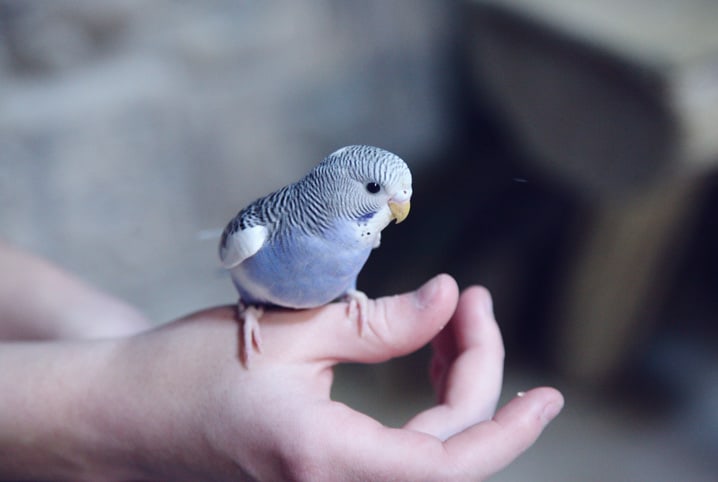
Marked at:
<point>475,378</point>
<point>470,384</point>
<point>444,352</point>
<point>488,447</point>
<point>475,336</point>
<point>396,325</point>
<point>375,452</point>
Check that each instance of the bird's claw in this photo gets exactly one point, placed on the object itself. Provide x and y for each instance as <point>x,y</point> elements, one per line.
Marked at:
<point>249,316</point>
<point>357,309</point>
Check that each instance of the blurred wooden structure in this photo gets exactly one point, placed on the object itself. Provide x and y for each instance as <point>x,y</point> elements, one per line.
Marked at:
<point>619,99</point>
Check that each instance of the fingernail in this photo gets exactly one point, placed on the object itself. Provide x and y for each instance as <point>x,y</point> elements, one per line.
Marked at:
<point>426,293</point>
<point>550,411</point>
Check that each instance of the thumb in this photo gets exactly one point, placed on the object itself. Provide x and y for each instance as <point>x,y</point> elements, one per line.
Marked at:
<point>396,325</point>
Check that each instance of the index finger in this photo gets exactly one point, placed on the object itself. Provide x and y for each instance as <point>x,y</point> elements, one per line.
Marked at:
<point>397,325</point>
<point>468,368</point>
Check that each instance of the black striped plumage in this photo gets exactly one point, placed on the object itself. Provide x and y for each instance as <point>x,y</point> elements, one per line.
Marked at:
<point>327,192</point>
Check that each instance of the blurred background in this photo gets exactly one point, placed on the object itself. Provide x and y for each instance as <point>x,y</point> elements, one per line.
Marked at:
<point>563,155</point>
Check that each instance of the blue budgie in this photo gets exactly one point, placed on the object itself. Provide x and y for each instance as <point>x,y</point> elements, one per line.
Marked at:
<point>304,245</point>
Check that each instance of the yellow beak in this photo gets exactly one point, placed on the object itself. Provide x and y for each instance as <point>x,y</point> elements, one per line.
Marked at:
<point>400,210</point>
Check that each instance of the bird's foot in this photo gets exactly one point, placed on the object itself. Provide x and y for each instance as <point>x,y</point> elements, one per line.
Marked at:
<point>357,309</point>
<point>249,316</point>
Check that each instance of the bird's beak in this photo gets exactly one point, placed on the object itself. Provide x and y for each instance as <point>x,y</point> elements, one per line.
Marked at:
<point>400,210</point>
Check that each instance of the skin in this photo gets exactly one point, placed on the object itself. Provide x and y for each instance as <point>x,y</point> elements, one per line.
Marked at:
<point>175,403</point>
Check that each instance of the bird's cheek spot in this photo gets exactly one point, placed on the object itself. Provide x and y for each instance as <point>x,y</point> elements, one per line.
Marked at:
<point>366,217</point>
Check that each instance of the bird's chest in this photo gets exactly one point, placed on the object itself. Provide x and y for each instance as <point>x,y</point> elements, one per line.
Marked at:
<point>300,270</point>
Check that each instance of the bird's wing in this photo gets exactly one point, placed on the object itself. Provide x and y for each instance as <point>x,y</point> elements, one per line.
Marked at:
<point>239,244</point>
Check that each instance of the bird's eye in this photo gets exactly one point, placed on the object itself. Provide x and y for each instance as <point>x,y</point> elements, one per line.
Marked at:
<point>373,187</point>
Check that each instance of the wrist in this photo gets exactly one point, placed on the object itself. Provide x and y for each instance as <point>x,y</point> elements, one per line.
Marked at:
<point>51,418</point>
<point>149,410</point>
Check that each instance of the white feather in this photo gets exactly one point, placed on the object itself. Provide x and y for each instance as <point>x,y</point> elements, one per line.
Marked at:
<point>241,245</point>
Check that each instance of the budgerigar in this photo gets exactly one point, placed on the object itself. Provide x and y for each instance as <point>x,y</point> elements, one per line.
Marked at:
<point>304,245</point>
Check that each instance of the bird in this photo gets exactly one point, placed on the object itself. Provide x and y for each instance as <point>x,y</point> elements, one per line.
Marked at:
<point>304,245</point>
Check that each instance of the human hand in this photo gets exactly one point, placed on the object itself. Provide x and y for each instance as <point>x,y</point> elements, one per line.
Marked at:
<point>175,403</point>
<point>40,301</point>
<point>200,413</point>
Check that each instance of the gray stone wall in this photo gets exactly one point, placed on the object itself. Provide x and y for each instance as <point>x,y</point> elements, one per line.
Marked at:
<point>127,127</point>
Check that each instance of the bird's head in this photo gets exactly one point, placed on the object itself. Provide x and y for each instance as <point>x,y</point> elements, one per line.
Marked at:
<point>369,184</point>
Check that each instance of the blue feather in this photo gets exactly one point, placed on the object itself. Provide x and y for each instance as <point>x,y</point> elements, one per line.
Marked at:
<point>301,271</point>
